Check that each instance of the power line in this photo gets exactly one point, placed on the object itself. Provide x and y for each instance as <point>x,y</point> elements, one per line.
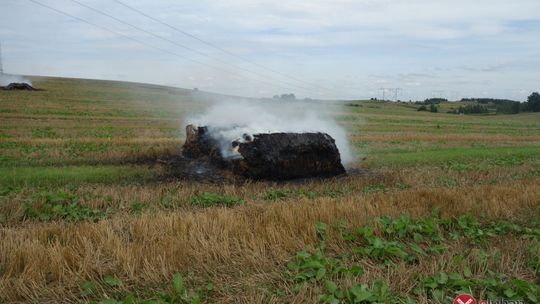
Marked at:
<point>213,45</point>
<point>438,93</point>
<point>178,44</point>
<point>139,41</point>
<point>397,91</point>
<point>1,66</point>
<point>394,91</point>
<point>383,93</point>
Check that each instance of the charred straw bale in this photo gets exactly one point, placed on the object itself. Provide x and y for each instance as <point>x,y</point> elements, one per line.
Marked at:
<point>274,156</point>
<point>19,86</point>
<point>279,156</point>
<point>200,145</point>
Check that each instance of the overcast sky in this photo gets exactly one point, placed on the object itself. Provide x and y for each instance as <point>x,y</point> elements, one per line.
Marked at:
<point>336,48</point>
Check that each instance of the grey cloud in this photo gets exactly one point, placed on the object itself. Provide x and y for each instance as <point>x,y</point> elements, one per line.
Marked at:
<point>353,45</point>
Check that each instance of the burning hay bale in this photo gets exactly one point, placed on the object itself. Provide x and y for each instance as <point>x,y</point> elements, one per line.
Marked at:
<point>199,144</point>
<point>275,156</point>
<point>289,155</point>
<point>19,86</point>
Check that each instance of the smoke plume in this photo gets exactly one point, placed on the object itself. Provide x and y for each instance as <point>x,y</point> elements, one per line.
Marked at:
<point>233,120</point>
<point>6,79</point>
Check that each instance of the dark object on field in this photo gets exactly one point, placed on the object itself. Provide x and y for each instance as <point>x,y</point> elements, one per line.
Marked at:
<point>280,156</point>
<point>199,144</point>
<point>198,170</point>
<point>18,86</point>
<point>274,156</point>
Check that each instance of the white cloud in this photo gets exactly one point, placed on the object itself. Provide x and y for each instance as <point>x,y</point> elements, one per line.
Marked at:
<point>463,44</point>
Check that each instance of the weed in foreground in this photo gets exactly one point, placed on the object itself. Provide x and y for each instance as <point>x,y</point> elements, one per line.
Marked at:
<point>208,199</point>
<point>180,293</point>
<point>389,241</point>
<point>62,205</point>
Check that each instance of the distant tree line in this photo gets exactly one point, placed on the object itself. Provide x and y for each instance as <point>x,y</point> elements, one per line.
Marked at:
<point>503,106</point>
<point>533,102</point>
<point>487,100</point>
<point>470,109</point>
<point>289,96</point>
<point>431,101</point>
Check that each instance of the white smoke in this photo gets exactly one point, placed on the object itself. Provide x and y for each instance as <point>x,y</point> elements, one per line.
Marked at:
<point>229,120</point>
<point>6,79</point>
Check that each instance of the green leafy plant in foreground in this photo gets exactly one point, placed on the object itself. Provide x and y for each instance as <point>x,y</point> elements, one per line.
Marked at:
<point>312,267</point>
<point>444,287</point>
<point>208,199</point>
<point>374,188</point>
<point>179,294</point>
<point>378,292</point>
<point>273,194</point>
<point>62,205</point>
<point>88,288</point>
<point>112,281</point>
<point>182,294</point>
<point>390,240</point>
<point>380,249</point>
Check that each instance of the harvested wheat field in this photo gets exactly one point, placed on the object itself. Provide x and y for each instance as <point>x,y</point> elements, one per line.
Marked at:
<point>434,205</point>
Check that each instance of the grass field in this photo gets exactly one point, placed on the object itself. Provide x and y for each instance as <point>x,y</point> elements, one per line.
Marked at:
<point>448,204</point>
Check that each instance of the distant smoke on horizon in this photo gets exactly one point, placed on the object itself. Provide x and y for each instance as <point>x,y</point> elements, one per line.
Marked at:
<point>6,79</point>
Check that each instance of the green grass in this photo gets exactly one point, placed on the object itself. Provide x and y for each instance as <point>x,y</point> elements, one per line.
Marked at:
<point>208,199</point>
<point>440,156</point>
<point>63,156</point>
<point>37,176</point>
<point>69,109</point>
